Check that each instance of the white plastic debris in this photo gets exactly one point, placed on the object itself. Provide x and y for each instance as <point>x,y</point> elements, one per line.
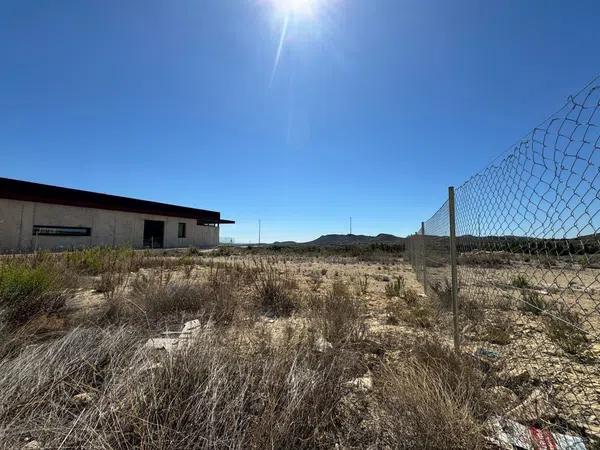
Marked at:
<point>509,435</point>
<point>179,339</point>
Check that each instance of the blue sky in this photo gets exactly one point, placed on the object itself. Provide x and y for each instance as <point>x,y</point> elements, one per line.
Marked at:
<point>374,108</point>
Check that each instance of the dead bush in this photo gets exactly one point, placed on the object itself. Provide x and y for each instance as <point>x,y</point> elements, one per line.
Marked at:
<point>157,294</point>
<point>471,308</point>
<point>443,291</point>
<point>532,302</point>
<point>339,316</point>
<point>431,400</point>
<point>39,385</point>
<point>362,285</point>
<point>275,293</point>
<point>422,316</point>
<point>485,259</point>
<point>564,328</point>
<point>410,296</point>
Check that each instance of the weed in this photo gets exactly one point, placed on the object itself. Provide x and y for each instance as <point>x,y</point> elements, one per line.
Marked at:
<point>340,317</point>
<point>410,296</point>
<point>564,327</point>
<point>362,285</point>
<point>274,292</point>
<point>520,281</point>
<point>532,302</point>
<point>443,292</point>
<point>421,316</point>
<point>471,308</point>
<point>395,288</point>
<point>431,400</point>
<point>27,290</point>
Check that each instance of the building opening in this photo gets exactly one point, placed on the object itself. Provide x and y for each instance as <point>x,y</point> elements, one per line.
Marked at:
<point>154,231</point>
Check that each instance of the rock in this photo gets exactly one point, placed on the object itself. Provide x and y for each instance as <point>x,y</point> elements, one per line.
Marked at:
<point>168,344</point>
<point>191,327</point>
<point>32,445</point>
<point>84,399</point>
<point>364,383</point>
<point>322,345</point>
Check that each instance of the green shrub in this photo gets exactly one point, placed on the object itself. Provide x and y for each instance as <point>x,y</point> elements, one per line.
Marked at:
<point>98,260</point>
<point>27,290</point>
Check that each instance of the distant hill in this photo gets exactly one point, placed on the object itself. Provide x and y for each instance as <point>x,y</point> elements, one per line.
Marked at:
<point>348,239</point>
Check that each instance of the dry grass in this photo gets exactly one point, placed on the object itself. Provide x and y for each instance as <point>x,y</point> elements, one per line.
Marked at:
<point>274,292</point>
<point>224,391</point>
<point>564,327</point>
<point>339,316</point>
<point>432,400</point>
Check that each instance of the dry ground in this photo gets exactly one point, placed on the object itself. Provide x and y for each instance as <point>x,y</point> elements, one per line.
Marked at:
<point>294,351</point>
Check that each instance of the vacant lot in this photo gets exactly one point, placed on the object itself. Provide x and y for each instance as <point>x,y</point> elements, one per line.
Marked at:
<point>288,350</point>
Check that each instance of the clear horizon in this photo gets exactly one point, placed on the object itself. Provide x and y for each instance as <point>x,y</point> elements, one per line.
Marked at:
<point>299,119</point>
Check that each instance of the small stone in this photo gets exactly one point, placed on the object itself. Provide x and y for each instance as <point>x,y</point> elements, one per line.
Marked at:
<point>32,445</point>
<point>83,399</point>
<point>364,383</point>
<point>322,345</point>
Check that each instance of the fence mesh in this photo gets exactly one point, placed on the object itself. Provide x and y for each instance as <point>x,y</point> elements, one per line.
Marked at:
<point>528,248</point>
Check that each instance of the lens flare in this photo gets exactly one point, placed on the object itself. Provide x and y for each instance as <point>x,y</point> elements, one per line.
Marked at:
<point>305,9</point>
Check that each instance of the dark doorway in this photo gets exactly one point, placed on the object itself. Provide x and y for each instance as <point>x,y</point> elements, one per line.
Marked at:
<point>154,231</point>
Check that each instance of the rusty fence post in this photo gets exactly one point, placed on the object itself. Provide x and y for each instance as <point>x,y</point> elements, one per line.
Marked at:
<point>452,220</point>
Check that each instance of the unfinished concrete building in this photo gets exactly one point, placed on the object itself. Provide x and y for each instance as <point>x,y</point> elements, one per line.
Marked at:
<point>43,217</point>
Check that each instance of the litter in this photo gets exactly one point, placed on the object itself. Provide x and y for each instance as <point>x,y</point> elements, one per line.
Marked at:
<point>509,435</point>
<point>180,340</point>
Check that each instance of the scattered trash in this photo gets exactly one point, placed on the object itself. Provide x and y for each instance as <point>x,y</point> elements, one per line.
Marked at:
<point>509,435</point>
<point>181,338</point>
<point>485,353</point>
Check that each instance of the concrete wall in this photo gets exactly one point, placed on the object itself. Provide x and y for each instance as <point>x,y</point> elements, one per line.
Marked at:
<point>112,228</point>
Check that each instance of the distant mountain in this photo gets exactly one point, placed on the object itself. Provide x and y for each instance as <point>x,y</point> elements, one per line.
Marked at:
<point>348,239</point>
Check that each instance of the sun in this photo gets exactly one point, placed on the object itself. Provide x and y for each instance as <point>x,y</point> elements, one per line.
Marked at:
<point>305,9</point>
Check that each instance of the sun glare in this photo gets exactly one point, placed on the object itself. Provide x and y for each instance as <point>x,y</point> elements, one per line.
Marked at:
<point>297,8</point>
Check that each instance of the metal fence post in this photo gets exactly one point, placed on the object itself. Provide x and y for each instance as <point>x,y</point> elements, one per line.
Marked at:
<point>452,220</point>
<point>423,255</point>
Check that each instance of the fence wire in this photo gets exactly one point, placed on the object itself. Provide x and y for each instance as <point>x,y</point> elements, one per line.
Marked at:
<point>528,244</point>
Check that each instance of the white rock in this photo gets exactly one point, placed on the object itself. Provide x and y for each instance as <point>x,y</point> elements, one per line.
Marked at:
<point>85,398</point>
<point>364,383</point>
<point>168,344</point>
<point>322,345</point>
<point>32,445</point>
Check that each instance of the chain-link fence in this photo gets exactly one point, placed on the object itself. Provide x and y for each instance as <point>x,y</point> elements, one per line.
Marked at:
<point>528,269</point>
